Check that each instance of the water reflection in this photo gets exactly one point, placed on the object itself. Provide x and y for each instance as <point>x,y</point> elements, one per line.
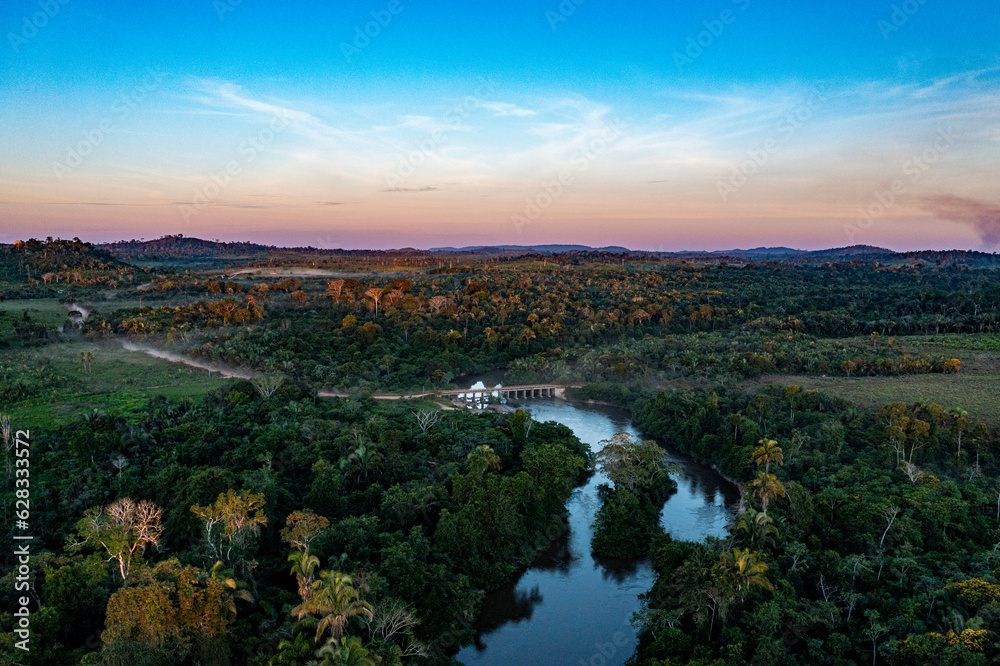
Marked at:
<point>509,604</point>
<point>558,557</point>
<point>615,570</point>
<point>570,606</point>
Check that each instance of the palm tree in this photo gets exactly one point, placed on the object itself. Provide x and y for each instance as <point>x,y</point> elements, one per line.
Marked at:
<point>304,569</point>
<point>237,588</point>
<point>335,600</point>
<point>740,570</point>
<point>765,487</point>
<point>347,651</point>
<point>366,458</point>
<point>756,526</point>
<point>482,458</point>
<point>744,570</point>
<point>768,452</point>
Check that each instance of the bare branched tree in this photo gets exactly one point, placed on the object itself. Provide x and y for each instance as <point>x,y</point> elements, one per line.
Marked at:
<point>335,289</point>
<point>375,293</point>
<point>119,462</point>
<point>437,303</point>
<point>427,418</point>
<point>392,620</point>
<point>889,513</point>
<point>123,530</point>
<point>913,472</point>
<point>266,385</point>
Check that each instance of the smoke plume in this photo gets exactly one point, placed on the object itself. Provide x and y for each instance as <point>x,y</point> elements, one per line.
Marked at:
<point>984,218</point>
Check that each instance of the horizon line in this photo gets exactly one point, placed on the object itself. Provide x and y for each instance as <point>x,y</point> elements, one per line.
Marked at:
<point>535,247</point>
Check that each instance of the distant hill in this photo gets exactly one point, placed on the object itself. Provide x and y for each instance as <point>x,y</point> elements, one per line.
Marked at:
<point>854,251</point>
<point>538,249</point>
<point>766,252</point>
<point>178,249</point>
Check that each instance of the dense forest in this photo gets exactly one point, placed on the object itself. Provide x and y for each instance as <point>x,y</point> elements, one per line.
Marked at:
<point>286,516</point>
<point>562,323</point>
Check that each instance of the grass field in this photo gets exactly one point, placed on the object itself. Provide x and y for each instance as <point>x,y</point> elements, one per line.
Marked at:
<point>982,342</point>
<point>976,389</point>
<point>48,312</point>
<point>118,381</point>
<point>978,394</point>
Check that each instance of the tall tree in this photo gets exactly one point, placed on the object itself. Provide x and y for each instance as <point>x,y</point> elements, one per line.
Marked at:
<point>123,529</point>
<point>768,452</point>
<point>231,524</point>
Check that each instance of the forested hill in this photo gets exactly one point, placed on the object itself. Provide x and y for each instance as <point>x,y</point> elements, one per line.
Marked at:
<point>55,260</point>
<point>945,257</point>
<point>179,248</point>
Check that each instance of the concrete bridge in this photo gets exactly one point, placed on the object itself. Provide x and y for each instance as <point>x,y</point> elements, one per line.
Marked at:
<point>509,392</point>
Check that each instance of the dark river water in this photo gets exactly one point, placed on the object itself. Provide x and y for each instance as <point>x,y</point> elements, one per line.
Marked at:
<point>571,607</point>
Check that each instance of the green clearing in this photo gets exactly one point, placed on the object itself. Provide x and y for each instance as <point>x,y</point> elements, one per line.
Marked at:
<point>976,389</point>
<point>54,384</point>
<point>983,342</point>
<point>975,393</point>
<point>48,312</point>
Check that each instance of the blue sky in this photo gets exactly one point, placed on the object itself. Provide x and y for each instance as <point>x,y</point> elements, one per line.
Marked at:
<point>653,125</point>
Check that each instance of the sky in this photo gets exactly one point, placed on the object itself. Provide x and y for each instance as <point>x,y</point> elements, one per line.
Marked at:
<point>393,123</point>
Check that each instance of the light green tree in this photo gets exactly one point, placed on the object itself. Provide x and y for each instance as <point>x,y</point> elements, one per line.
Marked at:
<point>630,463</point>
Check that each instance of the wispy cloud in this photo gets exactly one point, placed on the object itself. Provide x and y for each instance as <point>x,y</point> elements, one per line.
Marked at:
<point>427,188</point>
<point>507,109</point>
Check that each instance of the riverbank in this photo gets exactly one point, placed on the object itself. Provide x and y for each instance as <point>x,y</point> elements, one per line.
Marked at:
<point>570,605</point>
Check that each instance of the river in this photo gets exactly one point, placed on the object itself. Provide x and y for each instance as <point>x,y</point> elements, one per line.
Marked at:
<point>571,607</point>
